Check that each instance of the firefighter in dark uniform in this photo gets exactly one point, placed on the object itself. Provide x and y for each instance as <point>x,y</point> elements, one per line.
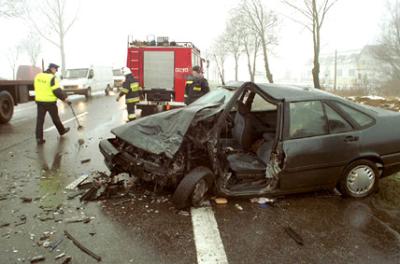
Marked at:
<point>196,86</point>
<point>132,91</point>
<point>47,91</point>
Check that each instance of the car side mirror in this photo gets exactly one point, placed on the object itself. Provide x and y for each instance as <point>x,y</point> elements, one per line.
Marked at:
<point>91,75</point>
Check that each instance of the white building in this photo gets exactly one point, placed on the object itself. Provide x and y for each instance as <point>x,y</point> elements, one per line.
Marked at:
<point>355,69</point>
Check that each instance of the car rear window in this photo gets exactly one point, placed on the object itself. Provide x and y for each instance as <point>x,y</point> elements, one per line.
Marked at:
<point>362,119</point>
<point>337,124</point>
<point>307,119</point>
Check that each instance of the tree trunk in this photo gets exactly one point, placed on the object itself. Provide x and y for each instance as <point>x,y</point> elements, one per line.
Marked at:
<point>236,67</point>
<point>221,72</point>
<point>246,47</point>
<point>317,45</point>
<point>266,63</point>
<point>62,53</point>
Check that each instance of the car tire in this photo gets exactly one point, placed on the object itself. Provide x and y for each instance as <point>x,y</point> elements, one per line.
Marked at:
<point>6,107</point>
<point>359,179</point>
<point>88,93</point>
<point>200,177</point>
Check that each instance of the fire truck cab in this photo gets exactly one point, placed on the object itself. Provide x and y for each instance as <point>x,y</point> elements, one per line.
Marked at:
<point>162,68</point>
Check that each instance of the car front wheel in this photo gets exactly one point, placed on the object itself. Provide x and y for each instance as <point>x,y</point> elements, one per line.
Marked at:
<point>360,179</point>
<point>193,188</point>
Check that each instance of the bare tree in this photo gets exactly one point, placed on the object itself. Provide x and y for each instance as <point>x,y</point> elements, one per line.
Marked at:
<point>11,8</point>
<point>263,22</point>
<point>314,13</point>
<point>234,39</point>
<point>251,44</point>
<point>219,55</point>
<point>388,51</point>
<point>32,47</point>
<point>12,58</point>
<point>56,22</point>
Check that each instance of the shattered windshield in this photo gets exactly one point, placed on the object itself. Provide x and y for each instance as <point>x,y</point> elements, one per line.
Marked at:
<point>76,73</point>
<point>218,95</point>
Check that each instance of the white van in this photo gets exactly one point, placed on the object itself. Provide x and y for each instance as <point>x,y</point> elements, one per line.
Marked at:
<point>87,80</point>
<point>119,78</point>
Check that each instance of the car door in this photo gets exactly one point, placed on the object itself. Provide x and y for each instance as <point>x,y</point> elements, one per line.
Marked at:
<point>318,145</point>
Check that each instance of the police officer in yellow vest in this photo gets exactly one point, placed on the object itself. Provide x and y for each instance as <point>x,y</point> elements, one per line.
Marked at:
<point>132,91</point>
<point>47,91</point>
<point>196,86</point>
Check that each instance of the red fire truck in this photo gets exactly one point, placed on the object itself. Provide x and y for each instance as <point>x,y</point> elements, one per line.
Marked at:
<point>162,68</point>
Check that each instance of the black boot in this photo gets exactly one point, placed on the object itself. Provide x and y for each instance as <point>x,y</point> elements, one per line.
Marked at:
<point>66,130</point>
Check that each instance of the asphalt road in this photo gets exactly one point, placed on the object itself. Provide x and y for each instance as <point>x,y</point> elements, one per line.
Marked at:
<point>145,228</point>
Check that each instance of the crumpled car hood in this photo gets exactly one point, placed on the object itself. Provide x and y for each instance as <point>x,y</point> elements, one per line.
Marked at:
<point>164,132</point>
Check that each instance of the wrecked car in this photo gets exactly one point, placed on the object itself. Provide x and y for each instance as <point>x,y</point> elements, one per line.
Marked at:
<point>249,140</point>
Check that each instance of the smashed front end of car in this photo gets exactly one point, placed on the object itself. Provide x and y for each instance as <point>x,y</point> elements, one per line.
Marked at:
<point>162,148</point>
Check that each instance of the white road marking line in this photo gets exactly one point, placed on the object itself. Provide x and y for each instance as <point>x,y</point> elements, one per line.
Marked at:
<point>66,121</point>
<point>24,109</point>
<point>207,239</point>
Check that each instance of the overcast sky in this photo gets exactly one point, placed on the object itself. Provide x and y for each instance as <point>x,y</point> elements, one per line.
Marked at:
<point>99,36</point>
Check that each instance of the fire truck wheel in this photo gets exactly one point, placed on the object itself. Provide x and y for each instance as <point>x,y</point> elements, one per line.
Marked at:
<point>6,107</point>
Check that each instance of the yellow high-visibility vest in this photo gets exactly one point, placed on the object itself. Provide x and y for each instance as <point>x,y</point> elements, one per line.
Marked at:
<point>44,89</point>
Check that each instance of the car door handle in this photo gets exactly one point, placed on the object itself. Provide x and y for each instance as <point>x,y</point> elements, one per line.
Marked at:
<point>351,138</point>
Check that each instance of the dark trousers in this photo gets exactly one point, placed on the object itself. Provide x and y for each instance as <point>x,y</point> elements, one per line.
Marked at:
<point>42,109</point>
<point>131,108</point>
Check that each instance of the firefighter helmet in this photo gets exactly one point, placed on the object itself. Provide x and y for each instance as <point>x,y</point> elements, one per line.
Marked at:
<point>126,70</point>
<point>197,69</point>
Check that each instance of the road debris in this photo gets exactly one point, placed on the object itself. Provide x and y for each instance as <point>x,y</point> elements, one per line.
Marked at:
<point>221,200</point>
<point>37,259</point>
<point>183,213</point>
<point>262,200</point>
<point>83,219</point>
<point>60,256</point>
<point>85,161</point>
<point>239,207</point>
<point>81,247</point>
<point>76,182</point>
<point>54,245</point>
<point>22,220</point>
<point>293,234</point>
<point>26,199</point>
<point>81,141</point>
<point>4,224</point>
<point>67,260</point>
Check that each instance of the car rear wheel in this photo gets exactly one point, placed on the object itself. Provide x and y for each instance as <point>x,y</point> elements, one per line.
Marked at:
<point>193,188</point>
<point>6,107</point>
<point>360,179</point>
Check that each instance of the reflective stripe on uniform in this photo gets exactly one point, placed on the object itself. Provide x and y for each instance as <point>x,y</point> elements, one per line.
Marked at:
<point>132,116</point>
<point>44,88</point>
<point>135,87</point>
<point>124,90</point>
<point>197,88</point>
<point>189,82</point>
<point>132,100</point>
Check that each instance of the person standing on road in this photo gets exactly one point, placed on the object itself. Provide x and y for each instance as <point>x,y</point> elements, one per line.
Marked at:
<point>47,91</point>
<point>132,91</point>
<point>196,86</point>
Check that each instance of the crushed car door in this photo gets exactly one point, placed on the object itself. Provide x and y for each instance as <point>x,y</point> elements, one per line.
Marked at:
<point>318,145</point>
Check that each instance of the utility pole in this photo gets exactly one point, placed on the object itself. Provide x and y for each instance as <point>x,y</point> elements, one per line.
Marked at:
<point>335,73</point>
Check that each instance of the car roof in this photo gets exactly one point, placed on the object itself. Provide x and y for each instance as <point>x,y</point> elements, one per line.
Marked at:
<point>291,93</point>
<point>288,93</point>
